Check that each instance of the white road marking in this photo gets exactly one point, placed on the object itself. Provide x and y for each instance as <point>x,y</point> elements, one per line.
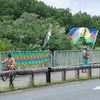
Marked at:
<point>97,88</point>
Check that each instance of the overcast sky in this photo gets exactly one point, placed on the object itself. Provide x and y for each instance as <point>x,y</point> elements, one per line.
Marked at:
<point>89,6</point>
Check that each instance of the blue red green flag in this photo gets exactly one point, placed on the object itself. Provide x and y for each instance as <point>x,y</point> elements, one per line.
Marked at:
<point>89,34</point>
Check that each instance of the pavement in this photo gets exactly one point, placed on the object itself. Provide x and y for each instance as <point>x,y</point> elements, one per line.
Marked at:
<point>85,90</point>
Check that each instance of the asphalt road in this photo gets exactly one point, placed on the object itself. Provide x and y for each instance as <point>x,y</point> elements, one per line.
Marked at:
<point>86,90</point>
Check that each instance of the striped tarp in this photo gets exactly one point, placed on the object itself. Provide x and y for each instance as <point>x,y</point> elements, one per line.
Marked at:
<point>28,57</point>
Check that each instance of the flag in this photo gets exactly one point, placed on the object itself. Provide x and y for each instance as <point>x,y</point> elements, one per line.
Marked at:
<point>76,33</point>
<point>48,35</point>
<point>90,35</point>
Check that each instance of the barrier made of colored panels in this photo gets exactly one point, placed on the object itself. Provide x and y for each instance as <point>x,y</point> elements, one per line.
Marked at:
<point>28,57</point>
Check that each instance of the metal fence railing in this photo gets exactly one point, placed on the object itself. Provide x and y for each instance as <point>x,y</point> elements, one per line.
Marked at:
<point>63,58</point>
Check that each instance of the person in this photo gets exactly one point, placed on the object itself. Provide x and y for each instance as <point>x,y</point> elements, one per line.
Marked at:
<point>11,62</point>
<point>85,57</point>
<point>52,54</point>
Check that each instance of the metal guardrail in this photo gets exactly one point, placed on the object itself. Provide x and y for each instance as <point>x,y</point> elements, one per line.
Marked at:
<point>48,71</point>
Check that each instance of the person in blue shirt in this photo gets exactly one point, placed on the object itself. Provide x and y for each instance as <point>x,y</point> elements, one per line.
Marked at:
<point>85,58</point>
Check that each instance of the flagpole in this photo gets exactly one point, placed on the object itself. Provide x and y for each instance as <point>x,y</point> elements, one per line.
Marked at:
<point>95,41</point>
<point>48,35</point>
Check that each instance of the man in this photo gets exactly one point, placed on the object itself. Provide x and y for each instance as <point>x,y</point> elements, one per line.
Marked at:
<point>85,57</point>
<point>11,62</point>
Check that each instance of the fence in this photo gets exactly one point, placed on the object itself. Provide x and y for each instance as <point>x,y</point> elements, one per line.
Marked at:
<point>65,58</point>
<point>48,72</point>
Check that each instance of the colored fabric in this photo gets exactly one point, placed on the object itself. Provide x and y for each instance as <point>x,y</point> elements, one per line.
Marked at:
<point>90,35</point>
<point>28,57</point>
<point>76,33</point>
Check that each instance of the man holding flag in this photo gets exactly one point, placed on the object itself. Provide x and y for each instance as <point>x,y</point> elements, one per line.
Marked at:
<point>90,36</point>
<point>85,57</point>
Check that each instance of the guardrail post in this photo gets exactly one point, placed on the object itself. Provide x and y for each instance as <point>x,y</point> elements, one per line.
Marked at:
<point>77,73</point>
<point>90,72</point>
<point>99,72</point>
<point>48,76</point>
<point>0,62</point>
<point>11,85</point>
<point>32,79</point>
<point>64,75</point>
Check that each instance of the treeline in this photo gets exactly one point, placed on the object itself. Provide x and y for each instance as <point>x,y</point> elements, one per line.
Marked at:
<point>24,23</point>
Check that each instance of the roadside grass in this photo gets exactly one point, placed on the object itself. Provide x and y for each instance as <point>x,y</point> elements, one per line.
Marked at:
<point>5,88</point>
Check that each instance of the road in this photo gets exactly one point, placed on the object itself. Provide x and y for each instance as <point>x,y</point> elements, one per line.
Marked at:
<point>85,90</point>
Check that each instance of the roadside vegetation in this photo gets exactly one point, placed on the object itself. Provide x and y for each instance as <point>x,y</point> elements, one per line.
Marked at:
<point>24,23</point>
